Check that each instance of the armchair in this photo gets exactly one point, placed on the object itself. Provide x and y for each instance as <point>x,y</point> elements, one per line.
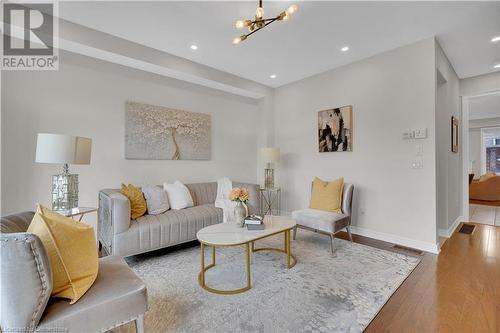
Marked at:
<point>327,222</point>
<point>117,296</point>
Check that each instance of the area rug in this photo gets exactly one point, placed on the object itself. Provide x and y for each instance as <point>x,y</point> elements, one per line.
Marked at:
<point>324,292</point>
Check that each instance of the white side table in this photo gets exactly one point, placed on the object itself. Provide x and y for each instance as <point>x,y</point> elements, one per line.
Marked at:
<point>270,201</point>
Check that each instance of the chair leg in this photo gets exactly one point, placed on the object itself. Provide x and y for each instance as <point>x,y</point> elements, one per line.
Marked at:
<point>349,232</point>
<point>294,232</point>
<point>139,324</point>
<point>332,237</point>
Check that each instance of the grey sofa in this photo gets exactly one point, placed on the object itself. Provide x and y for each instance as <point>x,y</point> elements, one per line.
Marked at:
<point>119,235</point>
<point>117,296</point>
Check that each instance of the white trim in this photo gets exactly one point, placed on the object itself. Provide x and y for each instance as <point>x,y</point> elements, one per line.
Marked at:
<point>408,242</point>
<point>448,232</point>
<point>465,147</point>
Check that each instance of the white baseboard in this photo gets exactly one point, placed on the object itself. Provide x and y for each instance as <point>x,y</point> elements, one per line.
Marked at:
<point>408,242</point>
<point>448,232</point>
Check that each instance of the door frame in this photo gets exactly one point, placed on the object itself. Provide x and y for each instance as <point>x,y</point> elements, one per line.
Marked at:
<point>465,148</point>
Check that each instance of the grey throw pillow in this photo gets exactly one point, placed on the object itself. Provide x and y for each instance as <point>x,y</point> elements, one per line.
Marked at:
<point>156,199</point>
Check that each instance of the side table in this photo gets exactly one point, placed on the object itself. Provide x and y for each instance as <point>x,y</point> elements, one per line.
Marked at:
<point>77,211</point>
<point>270,201</point>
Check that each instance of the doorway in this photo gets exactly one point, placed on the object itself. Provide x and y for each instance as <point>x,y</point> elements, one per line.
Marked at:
<point>480,155</point>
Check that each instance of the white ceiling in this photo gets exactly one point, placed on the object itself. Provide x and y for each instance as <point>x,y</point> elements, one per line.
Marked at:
<point>307,44</point>
<point>484,107</point>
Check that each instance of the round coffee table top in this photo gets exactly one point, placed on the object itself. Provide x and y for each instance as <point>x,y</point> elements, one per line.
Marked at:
<point>229,234</point>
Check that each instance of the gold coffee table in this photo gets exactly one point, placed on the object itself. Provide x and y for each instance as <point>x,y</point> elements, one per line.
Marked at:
<point>230,234</point>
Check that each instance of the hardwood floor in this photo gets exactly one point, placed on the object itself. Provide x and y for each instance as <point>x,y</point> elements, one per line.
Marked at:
<point>457,291</point>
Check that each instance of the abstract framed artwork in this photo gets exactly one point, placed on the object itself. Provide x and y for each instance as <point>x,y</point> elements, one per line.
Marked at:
<point>159,133</point>
<point>454,134</point>
<point>335,129</point>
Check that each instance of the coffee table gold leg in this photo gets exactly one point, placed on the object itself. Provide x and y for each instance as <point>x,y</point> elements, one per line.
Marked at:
<point>202,265</point>
<point>213,255</point>
<point>248,265</point>
<point>288,250</point>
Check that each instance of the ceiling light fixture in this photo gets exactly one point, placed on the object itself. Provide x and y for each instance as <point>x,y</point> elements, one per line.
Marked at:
<point>345,49</point>
<point>194,47</point>
<point>261,22</point>
<point>497,65</point>
<point>272,76</point>
<point>495,39</point>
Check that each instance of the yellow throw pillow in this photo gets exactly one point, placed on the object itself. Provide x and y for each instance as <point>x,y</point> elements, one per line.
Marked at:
<point>72,250</point>
<point>138,205</point>
<point>327,195</point>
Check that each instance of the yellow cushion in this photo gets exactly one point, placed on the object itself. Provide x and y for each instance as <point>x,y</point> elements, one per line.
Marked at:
<point>327,195</point>
<point>72,250</point>
<point>138,205</point>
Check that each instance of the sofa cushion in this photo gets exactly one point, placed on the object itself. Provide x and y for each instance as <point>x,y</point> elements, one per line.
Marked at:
<point>117,296</point>
<point>151,232</point>
<point>138,205</point>
<point>320,220</point>
<point>72,251</point>
<point>156,199</point>
<point>327,196</point>
<point>179,196</point>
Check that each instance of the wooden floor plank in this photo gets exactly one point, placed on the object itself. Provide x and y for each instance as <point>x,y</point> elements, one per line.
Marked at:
<point>456,291</point>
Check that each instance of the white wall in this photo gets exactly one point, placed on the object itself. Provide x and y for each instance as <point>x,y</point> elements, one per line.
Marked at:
<point>389,93</point>
<point>87,97</point>
<point>480,84</point>
<point>448,164</point>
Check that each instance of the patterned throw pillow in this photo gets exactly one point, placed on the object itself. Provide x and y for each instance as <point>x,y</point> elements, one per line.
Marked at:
<point>156,199</point>
<point>138,205</point>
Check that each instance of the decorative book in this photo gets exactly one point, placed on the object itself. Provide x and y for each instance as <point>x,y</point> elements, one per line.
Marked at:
<point>253,219</point>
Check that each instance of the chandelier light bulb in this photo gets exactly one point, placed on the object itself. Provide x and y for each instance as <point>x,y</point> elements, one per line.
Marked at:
<point>286,16</point>
<point>239,24</point>
<point>259,13</point>
<point>292,9</point>
<point>237,40</point>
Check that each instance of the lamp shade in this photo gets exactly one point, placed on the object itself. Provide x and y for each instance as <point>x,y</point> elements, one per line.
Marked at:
<point>269,155</point>
<point>63,149</point>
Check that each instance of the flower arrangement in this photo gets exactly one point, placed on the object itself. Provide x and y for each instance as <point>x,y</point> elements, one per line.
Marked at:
<point>239,194</point>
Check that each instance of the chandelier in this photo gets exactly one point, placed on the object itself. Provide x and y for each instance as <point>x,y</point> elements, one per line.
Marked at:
<point>261,22</point>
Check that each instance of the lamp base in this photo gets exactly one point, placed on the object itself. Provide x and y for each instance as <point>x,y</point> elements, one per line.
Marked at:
<point>269,178</point>
<point>64,191</point>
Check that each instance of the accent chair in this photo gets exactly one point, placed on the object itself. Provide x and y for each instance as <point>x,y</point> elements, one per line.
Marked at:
<point>118,295</point>
<point>327,222</point>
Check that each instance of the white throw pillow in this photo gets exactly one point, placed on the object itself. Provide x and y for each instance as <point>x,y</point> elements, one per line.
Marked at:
<point>156,199</point>
<point>178,195</point>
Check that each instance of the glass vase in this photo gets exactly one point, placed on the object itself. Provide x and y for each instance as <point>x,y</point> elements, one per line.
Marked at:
<point>240,212</point>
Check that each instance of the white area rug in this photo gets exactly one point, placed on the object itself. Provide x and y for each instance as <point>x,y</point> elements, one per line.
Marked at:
<point>324,292</point>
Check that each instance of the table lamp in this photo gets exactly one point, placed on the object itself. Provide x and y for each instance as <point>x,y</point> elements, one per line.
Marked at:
<point>269,155</point>
<point>63,149</point>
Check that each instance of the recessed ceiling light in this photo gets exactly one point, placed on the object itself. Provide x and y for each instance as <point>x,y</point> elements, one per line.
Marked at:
<point>495,39</point>
<point>345,49</point>
<point>497,65</point>
<point>272,76</point>
<point>194,47</point>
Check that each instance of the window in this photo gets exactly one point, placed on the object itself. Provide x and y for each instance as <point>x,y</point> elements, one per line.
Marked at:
<point>491,150</point>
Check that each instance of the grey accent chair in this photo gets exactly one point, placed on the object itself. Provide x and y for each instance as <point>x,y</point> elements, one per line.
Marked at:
<point>327,222</point>
<point>120,235</point>
<point>118,295</point>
